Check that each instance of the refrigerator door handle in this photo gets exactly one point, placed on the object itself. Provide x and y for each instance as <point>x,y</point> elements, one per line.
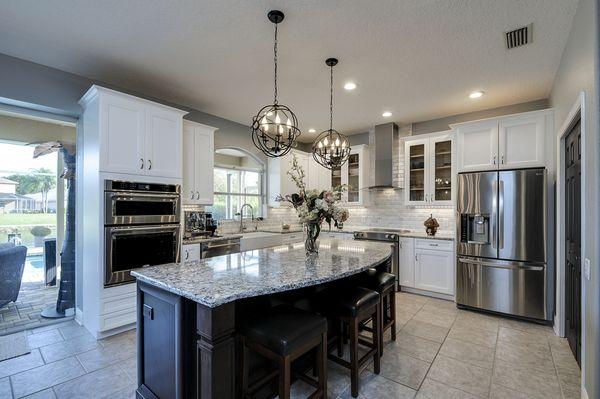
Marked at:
<point>500,214</point>
<point>501,265</point>
<point>494,216</point>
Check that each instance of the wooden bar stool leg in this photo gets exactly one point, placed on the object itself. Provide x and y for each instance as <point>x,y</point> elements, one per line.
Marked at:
<point>340,341</point>
<point>393,311</point>
<point>354,356</point>
<point>285,380</point>
<point>377,339</point>
<point>380,325</point>
<point>322,365</point>
<point>243,366</point>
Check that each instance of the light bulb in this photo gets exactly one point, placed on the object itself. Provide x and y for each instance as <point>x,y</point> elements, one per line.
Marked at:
<point>325,141</point>
<point>320,144</point>
<point>280,129</point>
<point>265,125</point>
<point>344,144</point>
<point>337,142</point>
<point>277,120</point>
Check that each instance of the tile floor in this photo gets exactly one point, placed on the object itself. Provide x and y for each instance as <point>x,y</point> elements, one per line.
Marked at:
<point>440,352</point>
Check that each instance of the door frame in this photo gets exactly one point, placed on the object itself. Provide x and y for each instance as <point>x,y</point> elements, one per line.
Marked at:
<point>577,112</point>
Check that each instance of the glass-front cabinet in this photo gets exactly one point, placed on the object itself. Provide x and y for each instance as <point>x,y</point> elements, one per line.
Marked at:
<point>430,170</point>
<point>354,174</point>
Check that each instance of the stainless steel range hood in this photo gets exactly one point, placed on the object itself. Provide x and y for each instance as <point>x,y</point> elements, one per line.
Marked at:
<point>384,150</point>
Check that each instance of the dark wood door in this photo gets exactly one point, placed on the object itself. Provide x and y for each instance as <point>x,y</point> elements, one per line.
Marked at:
<point>573,239</point>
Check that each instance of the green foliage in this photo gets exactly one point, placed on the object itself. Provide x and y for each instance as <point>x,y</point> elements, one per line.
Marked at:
<point>36,181</point>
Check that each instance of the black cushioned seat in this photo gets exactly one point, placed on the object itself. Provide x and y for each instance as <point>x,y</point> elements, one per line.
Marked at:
<point>348,301</point>
<point>376,280</point>
<point>284,329</point>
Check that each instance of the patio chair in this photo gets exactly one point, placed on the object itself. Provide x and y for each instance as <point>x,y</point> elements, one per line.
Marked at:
<point>12,263</point>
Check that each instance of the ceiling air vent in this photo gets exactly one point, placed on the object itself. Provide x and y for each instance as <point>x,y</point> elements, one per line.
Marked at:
<point>519,37</point>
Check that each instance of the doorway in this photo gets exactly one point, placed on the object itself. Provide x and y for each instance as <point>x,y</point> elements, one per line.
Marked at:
<point>572,175</point>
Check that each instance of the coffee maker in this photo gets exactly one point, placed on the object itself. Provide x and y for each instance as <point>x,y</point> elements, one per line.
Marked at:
<point>198,224</point>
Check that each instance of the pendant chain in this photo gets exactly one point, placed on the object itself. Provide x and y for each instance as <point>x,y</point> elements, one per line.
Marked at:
<point>275,61</point>
<point>331,100</point>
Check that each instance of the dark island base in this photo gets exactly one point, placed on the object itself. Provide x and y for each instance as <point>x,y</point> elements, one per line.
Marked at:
<point>188,350</point>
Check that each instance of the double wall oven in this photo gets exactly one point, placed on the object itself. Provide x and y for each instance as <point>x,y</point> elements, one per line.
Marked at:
<point>141,227</point>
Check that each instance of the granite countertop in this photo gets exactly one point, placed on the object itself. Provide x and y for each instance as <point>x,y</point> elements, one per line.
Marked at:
<point>211,239</point>
<point>215,281</point>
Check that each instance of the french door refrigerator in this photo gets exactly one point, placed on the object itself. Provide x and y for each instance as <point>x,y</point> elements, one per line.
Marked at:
<point>501,244</point>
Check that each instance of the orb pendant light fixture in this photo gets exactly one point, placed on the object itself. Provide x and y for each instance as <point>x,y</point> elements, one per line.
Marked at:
<point>331,148</point>
<point>275,127</point>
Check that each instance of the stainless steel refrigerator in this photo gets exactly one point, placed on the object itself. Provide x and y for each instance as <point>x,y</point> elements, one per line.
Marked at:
<point>502,243</point>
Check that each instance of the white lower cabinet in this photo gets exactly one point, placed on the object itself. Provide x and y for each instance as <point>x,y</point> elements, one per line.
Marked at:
<point>190,252</point>
<point>291,238</point>
<point>427,264</point>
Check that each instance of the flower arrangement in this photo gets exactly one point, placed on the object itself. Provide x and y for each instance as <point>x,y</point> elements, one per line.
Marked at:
<point>313,206</point>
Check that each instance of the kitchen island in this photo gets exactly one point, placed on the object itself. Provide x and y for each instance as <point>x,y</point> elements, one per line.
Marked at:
<point>186,312</point>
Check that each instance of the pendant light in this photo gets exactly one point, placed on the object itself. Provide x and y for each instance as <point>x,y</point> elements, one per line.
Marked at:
<point>331,148</point>
<point>275,127</point>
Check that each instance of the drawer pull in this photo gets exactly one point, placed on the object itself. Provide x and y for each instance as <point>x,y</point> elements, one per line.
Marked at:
<point>148,312</point>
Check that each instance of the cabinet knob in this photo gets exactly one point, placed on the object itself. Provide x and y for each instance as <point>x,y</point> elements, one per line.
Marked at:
<point>142,163</point>
<point>149,164</point>
<point>502,159</point>
<point>494,159</point>
<point>191,194</point>
<point>197,195</point>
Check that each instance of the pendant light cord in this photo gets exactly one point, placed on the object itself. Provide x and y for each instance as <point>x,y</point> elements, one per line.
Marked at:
<point>275,61</point>
<point>331,100</point>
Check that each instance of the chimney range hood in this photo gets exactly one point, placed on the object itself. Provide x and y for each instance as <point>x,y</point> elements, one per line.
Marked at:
<point>384,149</point>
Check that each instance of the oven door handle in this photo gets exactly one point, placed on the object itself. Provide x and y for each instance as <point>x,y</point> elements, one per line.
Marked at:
<point>117,230</point>
<point>120,195</point>
<point>209,246</point>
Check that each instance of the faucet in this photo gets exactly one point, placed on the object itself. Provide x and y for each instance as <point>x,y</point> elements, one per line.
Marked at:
<point>242,216</point>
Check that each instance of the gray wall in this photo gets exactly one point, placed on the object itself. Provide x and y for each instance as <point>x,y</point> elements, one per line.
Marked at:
<point>578,71</point>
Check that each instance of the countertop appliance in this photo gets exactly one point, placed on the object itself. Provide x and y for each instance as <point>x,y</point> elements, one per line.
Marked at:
<point>141,227</point>
<point>501,243</point>
<point>388,235</point>
<point>198,224</point>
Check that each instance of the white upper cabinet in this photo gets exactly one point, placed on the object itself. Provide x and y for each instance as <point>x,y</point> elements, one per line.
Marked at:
<point>163,143</point>
<point>508,142</point>
<point>198,163</point>
<point>354,173</point>
<point>134,136</point>
<point>477,145</point>
<point>430,170</point>
<point>521,142</point>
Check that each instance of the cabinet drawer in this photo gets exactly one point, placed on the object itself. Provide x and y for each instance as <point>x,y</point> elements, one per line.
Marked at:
<point>190,252</point>
<point>428,243</point>
<point>117,319</point>
<point>338,235</point>
<point>118,303</point>
<point>292,238</point>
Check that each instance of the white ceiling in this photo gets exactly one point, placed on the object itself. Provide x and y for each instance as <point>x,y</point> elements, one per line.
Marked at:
<point>416,58</point>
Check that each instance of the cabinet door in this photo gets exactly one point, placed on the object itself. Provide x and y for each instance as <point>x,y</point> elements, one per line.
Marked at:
<point>434,271</point>
<point>407,262</point>
<point>521,142</point>
<point>190,252</point>
<point>352,171</point>
<point>477,146</point>
<point>163,143</point>
<point>441,178</point>
<point>205,165</point>
<point>417,171</point>
<point>324,178</point>
<point>123,135</point>
<point>188,192</point>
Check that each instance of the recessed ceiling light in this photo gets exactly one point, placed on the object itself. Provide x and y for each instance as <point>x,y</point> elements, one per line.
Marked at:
<point>386,114</point>
<point>476,94</point>
<point>311,130</point>
<point>350,86</point>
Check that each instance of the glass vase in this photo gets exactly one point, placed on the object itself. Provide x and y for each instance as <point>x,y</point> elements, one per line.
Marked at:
<point>312,233</point>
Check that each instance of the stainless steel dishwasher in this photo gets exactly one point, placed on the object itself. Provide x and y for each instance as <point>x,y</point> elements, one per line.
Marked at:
<point>218,248</point>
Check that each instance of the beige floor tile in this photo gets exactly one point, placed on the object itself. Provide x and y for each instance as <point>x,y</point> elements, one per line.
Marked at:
<point>73,346</point>
<point>408,297</point>
<point>436,318</point>
<point>414,346</point>
<point>73,331</point>
<point>431,389</point>
<point>5,390</point>
<point>470,319</point>
<point>477,355</point>
<point>374,386</point>
<point>425,330</point>
<point>403,369</point>
<point>522,338</point>
<point>45,394</point>
<point>526,326</point>
<point>533,357</point>
<point>440,306</point>
<point>21,363</point>
<point>500,392</point>
<point>474,335</point>
<point>43,377</point>
<point>531,382</point>
<point>466,377</point>
<point>44,338</point>
<point>130,367</point>
<point>571,391</point>
<point>102,383</point>
<point>104,356</point>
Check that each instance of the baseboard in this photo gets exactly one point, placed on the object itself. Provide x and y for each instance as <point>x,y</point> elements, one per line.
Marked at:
<point>584,394</point>
<point>79,316</point>
<point>115,331</point>
<point>427,293</point>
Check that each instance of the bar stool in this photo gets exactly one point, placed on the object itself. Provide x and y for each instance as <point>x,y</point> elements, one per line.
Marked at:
<point>283,335</point>
<point>385,284</point>
<point>350,306</point>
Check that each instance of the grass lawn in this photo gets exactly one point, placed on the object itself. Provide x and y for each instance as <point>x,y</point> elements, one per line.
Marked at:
<point>23,222</point>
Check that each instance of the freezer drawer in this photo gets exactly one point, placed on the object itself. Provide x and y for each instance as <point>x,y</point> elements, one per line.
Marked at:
<point>514,288</point>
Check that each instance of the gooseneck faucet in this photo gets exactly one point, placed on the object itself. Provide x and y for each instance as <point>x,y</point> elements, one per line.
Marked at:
<point>242,215</point>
